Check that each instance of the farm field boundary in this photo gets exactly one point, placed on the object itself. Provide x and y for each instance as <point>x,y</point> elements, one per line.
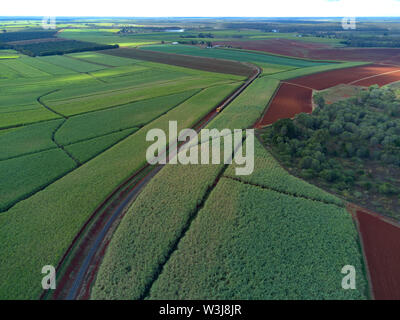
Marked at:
<point>289,101</point>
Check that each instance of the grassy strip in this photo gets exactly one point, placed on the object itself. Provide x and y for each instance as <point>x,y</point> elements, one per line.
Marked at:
<point>107,100</point>
<point>268,173</point>
<point>23,176</point>
<point>283,56</point>
<point>104,59</point>
<point>72,64</point>
<point>49,68</point>
<point>88,149</point>
<point>137,114</point>
<point>25,70</point>
<point>38,114</point>
<point>316,69</point>
<point>250,243</point>
<point>58,212</point>
<point>248,107</point>
<point>28,139</point>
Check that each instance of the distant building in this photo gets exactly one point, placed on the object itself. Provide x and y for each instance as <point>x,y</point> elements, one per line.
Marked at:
<point>175,42</point>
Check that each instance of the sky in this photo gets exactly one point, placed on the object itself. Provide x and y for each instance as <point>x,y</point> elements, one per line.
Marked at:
<point>202,8</point>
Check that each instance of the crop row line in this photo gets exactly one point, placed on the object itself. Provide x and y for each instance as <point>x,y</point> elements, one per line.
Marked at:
<point>77,162</point>
<point>69,154</point>
<point>186,227</point>
<point>95,78</point>
<point>39,100</point>
<point>123,89</point>
<point>131,101</point>
<point>280,191</point>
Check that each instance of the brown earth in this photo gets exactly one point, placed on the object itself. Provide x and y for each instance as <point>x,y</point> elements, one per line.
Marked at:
<point>289,101</point>
<point>381,244</point>
<point>372,74</point>
<point>310,50</point>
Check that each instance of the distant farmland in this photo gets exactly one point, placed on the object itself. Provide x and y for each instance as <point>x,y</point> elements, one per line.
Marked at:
<point>207,64</point>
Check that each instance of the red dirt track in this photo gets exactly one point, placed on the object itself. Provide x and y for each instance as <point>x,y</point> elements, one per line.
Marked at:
<point>312,50</point>
<point>381,243</point>
<point>373,74</point>
<point>288,101</point>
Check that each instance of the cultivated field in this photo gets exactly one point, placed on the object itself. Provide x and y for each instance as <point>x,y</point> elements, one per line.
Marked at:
<point>381,246</point>
<point>362,75</point>
<point>232,55</point>
<point>322,51</point>
<point>77,191</point>
<point>240,251</point>
<point>289,101</point>
<point>102,109</point>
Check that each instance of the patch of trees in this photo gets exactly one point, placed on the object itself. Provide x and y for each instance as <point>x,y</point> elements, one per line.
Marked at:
<point>59,47</point>
<point>372,41</point>
<point>26,35</point>
<point>342,144</point>
<point>135,29</point>
<point>194,42</point>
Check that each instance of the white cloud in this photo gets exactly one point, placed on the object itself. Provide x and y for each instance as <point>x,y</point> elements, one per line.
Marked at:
<point>203,8</point>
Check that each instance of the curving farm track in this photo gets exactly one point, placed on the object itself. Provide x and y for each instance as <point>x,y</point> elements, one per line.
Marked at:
<point>79,265</point>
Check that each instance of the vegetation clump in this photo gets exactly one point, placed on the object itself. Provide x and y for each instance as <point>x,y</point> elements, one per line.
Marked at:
<point>351,147</point>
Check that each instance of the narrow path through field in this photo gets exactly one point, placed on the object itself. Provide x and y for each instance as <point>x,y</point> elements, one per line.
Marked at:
<point>297,84</point>
<point>373,76</point>
<point>39,100</point>
<point>82,259</point>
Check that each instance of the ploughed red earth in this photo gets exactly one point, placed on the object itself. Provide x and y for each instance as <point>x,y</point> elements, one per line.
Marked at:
<point>362,76</point>
<point>381,242</point>
<point>289,100</point>
<point>303,49</point>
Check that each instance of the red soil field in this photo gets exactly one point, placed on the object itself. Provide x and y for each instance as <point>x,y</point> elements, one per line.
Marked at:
<point>379,80</point>
<point>381,242</point>
<point>288,101</point>
<point>279,46</point>
<point>323,80</point>
<point>303,49</point>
